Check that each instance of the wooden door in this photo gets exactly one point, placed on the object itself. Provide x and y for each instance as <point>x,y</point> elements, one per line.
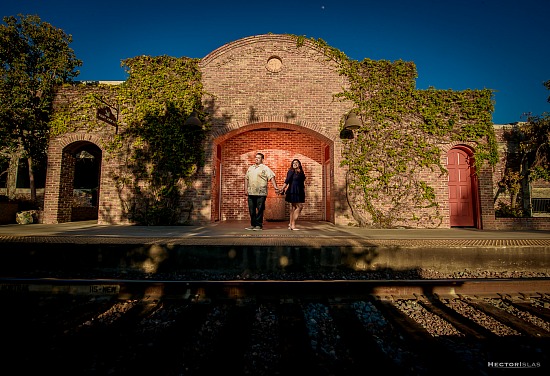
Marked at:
<point>327,193</point>
<point>461,197</point>
<point>327,183</point>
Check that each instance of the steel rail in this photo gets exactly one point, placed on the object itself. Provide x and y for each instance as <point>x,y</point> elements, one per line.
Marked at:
<point>235,289</point>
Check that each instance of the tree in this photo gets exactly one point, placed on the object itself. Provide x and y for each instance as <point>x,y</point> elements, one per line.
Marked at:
<point>531,158</point>
<point>537,144</point>
<point>35,58</point>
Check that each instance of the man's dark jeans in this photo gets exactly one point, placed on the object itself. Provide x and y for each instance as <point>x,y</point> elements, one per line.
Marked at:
<point>256,207</point>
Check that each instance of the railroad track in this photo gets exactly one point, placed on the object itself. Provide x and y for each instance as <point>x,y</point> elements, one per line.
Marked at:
<point>421,327</point>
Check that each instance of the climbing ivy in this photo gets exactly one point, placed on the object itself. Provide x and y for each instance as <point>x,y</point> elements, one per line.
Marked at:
<point>399,140</point>
<point>401,135</point>
<point>157,152</point>
<point>76,107</point>
<point>159,95</point>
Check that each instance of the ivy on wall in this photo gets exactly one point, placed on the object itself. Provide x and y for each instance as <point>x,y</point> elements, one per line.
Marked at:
<point>400,139</point>
<point>157,153</point>
<point>76,105</point>
<point>159,95</point>
<point>403,129</point>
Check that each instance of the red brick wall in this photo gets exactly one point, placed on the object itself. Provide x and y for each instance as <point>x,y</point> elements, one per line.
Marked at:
<point>263,94</point>
<point>279,146</point>
<point>244,91</point>
<point>58,196</point>
<point>247,93</point>
<point>541,223</point>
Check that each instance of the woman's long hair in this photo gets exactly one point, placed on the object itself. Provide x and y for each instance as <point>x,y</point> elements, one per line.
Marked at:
<point>300,169</point>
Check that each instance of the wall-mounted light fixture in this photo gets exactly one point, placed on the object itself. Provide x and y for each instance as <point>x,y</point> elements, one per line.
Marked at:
<point>352,122</point>
<point>193,120</point>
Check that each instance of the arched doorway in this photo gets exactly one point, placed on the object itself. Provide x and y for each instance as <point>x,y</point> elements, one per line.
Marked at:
<point>280,143</point>
<point>462,184</point>
<point>72,182</point>
<point>86,178</point>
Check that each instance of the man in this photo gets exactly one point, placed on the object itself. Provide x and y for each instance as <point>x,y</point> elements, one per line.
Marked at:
<point>255,187</point>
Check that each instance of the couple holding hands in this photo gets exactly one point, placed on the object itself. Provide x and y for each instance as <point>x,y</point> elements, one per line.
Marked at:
<point>255,186</point>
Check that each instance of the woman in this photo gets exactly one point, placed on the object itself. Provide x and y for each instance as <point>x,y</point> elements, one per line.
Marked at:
<point>295,194</point>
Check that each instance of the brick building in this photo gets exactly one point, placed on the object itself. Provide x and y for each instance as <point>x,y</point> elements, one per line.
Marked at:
<point>272,97</point>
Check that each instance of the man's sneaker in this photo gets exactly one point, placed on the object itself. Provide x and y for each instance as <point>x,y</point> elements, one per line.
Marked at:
<point>257,228</point>
<point>250,228</point>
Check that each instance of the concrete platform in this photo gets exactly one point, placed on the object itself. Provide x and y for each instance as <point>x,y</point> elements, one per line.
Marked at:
<point>235,230</point>
<point>86,247</point>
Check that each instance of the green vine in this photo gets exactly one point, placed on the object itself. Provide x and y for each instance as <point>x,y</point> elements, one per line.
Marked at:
<point>159,95</point>
<point>398,142</point>
<point>158,153</point>
<point>76,107</point>
<point>400,137</point>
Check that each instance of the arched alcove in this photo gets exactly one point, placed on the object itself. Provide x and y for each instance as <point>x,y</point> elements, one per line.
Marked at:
<point>280,143</point>
<point>86,182</point>
<point>73,179</point>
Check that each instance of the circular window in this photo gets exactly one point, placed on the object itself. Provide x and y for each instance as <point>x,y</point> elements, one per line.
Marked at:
<point>274,64</point>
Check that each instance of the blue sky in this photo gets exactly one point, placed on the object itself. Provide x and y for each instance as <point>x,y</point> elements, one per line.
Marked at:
<point>502,45</point>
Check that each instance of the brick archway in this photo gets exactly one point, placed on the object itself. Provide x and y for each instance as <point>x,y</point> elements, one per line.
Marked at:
<point>280,142</point>
<point>59,192</point>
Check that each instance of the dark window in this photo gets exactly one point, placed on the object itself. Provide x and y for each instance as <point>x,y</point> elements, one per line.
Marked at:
<point>4,174</point>
<point>86,171</point>
<point>541,205</point>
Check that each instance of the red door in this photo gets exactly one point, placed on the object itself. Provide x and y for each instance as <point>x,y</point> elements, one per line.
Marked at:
<point>327,185</point>
<point>461,199</point>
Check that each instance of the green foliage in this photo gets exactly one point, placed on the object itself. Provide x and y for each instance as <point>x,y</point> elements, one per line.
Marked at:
<point>161,154</point>
<point>158,97</point>
<point>527,160</point>
<point>535,144</point>
<point>35,58</point>
<point>156,82</point>
<point>73,112</point>
<point>402,128</point>
<point>504,210</point>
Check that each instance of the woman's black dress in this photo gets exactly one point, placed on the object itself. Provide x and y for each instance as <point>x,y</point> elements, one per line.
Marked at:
<point>295,191</point>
